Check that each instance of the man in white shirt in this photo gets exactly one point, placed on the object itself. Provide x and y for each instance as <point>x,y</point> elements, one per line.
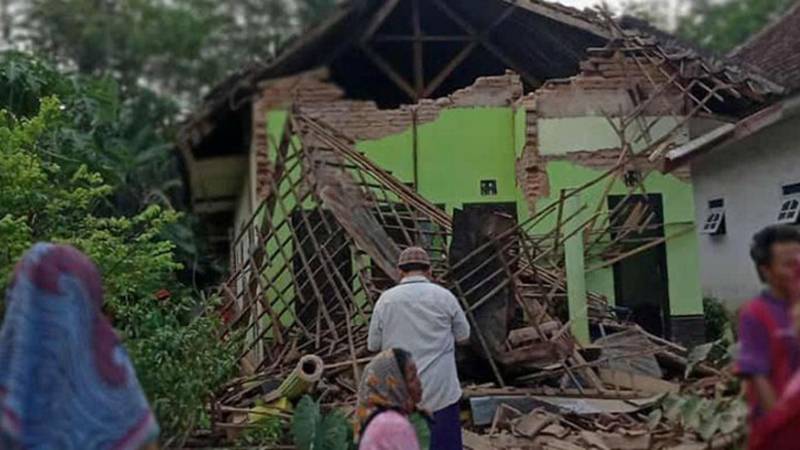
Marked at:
<point>426,320</point>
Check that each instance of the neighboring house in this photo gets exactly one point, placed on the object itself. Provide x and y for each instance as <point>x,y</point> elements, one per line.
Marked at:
<point>746,175</point>
<point>491,139</point>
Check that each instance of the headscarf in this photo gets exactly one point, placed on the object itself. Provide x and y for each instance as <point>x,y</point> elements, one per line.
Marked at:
<point>66,382</point>
<point>383,387</point>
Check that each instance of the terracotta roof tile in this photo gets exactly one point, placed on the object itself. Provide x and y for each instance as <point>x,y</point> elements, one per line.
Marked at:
<point>776,50</point>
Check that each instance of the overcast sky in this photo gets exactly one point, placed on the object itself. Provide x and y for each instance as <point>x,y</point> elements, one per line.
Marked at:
<point>668,9</point>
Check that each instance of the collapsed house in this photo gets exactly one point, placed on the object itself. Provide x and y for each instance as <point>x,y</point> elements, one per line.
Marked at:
<point>519,142</point>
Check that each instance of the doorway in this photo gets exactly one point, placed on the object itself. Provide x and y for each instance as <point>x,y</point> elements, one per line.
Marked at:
<point>641,284</point>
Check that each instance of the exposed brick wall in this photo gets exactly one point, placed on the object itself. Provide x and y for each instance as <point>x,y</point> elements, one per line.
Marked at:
<point>607,85</point>
<point>531,168</point>
<point>260,146</point>
<point>498,91</point>
<point>610,84</point>
<point>363,120</point>
<point>358,119</point>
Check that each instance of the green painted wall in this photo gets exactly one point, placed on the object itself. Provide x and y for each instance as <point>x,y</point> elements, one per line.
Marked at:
<point>280,246</point>
<point>466,145</point>
<point>454,153</point>
<point>682,260</point>
<point>683,266</point>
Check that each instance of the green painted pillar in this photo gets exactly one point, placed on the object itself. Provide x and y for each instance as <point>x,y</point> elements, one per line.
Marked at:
<point>576,275</point>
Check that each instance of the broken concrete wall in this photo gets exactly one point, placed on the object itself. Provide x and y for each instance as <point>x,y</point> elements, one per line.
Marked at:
<point>569,116</point>
<point>570,141</point>
<point>464,138</point>
<point>363,120</point>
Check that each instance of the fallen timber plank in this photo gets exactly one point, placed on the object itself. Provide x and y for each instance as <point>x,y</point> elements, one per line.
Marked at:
<point>484,408</point>
<point>470,392</point>
<point>637,382</point>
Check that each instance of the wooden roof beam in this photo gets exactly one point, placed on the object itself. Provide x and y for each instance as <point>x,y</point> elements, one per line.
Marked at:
<point>554,13</point>
<point>389,71</point>
<point>419,72</point>
<point>483,37</point>
<point>377,20</point>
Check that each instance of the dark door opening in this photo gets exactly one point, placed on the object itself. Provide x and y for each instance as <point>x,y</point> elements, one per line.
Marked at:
<point>483,277</point>
<point>640,281</point>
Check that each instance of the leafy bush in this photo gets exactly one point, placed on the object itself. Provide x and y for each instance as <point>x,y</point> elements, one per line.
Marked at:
<point>177,354</point>
<point>266,431</point>
<point>717,320</point>
<point>121,139</point>
<point>314,431</point>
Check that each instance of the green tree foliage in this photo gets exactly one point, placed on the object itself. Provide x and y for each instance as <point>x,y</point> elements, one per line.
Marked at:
<point>176,47</point>
<point>721,26</point>
<point>718,25</point>
<point>121,139</point>
<point>176,351</point>
<point>149,60</point>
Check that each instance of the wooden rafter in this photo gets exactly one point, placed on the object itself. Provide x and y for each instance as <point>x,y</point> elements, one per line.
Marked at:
<point>379,18</point>
<point>553,13</point>
<point>423,38</point>
<point>419,72</point>
<point>455,17</point>
<point>473,38</point>
<point>483,37</point>
<point>387,69</point>
<point>449,68</point>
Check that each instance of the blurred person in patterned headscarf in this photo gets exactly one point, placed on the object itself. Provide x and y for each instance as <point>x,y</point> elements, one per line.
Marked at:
<point>66,381</point>
<point>389,392</point>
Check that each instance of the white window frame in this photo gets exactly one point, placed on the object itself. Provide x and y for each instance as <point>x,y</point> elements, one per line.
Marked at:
<point>789,211</point>
<point>714,224</point>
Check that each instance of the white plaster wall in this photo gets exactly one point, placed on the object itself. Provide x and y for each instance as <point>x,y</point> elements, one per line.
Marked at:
<point>558,136</point>
<point>748,176</point>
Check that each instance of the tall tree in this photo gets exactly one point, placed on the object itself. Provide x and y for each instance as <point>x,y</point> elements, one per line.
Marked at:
<point>149,60</point>
<point>721,26</point>
<point>175,47</point>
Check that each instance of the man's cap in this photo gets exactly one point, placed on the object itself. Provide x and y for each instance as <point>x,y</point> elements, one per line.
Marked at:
<point>414,255</point>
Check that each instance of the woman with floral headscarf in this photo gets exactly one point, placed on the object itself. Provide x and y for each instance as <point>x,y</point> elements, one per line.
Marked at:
<point>66,382</point>
<point>388,394</point>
